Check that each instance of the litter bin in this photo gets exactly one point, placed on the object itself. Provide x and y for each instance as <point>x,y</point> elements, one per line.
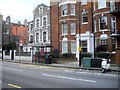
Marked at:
<point>48,59</point>
<point>86,62</point>
<point>96,62</point>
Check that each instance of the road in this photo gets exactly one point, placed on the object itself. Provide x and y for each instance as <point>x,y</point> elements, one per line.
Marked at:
<point>16,75</point>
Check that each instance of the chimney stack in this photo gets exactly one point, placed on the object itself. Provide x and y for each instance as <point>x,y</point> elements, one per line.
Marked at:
<point>25,22</point>
<point>8,18</point>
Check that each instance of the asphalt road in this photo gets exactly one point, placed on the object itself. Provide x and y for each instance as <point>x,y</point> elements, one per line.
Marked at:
<point>15,75</point>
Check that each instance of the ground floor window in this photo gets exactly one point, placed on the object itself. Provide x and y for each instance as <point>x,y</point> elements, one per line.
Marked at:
<point>103,41</point>
<point>73,47</point>
<point>64,47</point>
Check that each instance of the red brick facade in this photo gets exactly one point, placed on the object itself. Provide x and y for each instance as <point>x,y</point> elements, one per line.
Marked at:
<point>95,15</point>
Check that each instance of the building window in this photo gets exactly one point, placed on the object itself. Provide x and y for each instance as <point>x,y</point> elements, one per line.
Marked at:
<point>113,24</point>
<point>44,21</point>
<point>84,46</point>
<point>44,37</point>
<point>101,4</point>
<point>37,37</point>
<point>31,38</point>
<point>6,31</point>
<point>83,2</point>
<point>112,5</point>
<point>103,41</point>
<point>94,25</point>
<point>84,17</point>
<point>64,47</point>
<point>73,28</point>
<point>64,10</point>
<point>113,44</point>
<point>41,10</point>
<point>31,27</point>
<point>64,29</point>
<point>72,9</point>
<point>73,47</point>
<point>103,22</point>
<point>37,23</point>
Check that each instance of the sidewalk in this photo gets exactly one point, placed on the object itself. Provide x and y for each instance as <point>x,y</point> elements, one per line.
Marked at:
<point>73,65</point>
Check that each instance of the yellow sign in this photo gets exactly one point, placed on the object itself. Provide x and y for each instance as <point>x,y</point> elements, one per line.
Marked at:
<point>79,49</point>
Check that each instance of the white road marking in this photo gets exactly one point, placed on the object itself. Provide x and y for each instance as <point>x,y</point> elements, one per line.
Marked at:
<point>69,78</point>
<point>12,69</point>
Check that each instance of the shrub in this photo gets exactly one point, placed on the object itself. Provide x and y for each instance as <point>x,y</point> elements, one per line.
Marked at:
<point>101,48</point>
<point>85,54</point>
<point>67,55</point>
<point>56,53</point>
<point>103,55</point>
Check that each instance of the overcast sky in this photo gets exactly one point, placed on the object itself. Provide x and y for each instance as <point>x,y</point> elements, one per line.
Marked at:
<point>20,9</point>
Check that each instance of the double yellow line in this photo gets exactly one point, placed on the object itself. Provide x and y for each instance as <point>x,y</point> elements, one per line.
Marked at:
<point>14,86</point>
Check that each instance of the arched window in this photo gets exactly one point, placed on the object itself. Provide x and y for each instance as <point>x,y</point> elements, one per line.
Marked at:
<point>44,37</point>
<point>31,38</point>
<point>37,23</point>
<point>37,37</point>
<point>64,45</point>
<point>84,17</point>
<point>104,39</point>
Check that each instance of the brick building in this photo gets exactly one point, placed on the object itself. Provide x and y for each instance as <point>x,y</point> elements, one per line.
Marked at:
<point>20,30</point>
<point>69,27</point>
<point>90,23</point>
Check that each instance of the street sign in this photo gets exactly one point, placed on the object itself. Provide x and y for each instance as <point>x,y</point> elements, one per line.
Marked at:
<point>79,48</point>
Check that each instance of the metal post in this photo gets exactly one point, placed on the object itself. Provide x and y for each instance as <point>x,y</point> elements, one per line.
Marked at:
<point>79,52</point>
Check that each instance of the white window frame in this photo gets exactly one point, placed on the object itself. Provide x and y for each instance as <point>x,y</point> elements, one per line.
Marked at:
<point>72,29</point>
<point>64,29</point>
<point>40,8</point>
<point>112,24</point>
<point>30,38</point>
<point>46,20</point>
<point>36,22</point>
<point>100,23</point>
<point>65,48</point>
<point>72,9</point>
<point>95,26</point>
<point>36,37</point>
<point>83,2</point>
<point>64,9</point>
<point>82,17</point>
<point>73,46</point>
<point>102,2</point>
<point>103,41</point>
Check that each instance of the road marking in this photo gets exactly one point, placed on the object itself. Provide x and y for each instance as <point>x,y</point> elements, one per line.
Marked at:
<point>77,79</point>
<point>14,86</point>
<point>12,69</point>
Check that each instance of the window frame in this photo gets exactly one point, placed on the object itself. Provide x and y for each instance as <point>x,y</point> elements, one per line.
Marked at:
<point>64,28</point>
<point>71,28</point>
<point>72,8</point>
<point>113,21</point>
<point>64,48</point>
<point>83,13</point>
<point>64,9</point>
<point>73,47</point>
<point>83,2</point>
<point>100,3</point>
<point>101,23</point>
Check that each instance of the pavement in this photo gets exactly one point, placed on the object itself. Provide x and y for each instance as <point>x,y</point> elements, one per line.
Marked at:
<point>73,65</point>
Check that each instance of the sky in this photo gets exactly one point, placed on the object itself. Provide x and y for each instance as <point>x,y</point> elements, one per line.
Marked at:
<point>19,10</point>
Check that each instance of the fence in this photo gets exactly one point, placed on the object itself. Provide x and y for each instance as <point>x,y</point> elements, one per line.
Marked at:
<point>18,56</point>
